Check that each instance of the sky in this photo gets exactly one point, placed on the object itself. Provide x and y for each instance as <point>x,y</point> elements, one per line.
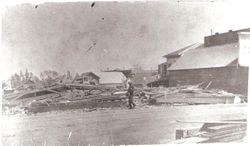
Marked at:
<point>74,36</point>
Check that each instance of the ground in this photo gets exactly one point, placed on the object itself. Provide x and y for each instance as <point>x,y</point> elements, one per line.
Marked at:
<point>147,125</point>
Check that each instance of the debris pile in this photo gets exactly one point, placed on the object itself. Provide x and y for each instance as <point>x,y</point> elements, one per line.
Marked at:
<point>193,95</point>
<point>216,132</point>
<point>75,96</point>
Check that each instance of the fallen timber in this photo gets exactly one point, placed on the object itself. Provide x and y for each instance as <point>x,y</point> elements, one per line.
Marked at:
<point>90,104</point>
<point>213,132</point>
<point>195,96</point>
<point>55,89</point>
<point>195,100</point>
<point>57,98</point>
<point>72,96</point>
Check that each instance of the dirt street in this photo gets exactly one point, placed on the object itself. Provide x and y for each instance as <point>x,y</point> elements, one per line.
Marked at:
<point>148,125</point>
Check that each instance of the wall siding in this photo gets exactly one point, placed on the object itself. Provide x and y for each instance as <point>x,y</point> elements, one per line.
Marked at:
<point>231,79</point>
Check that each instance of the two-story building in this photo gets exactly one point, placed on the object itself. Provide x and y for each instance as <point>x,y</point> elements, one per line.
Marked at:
<point>171,58</point>
<point>214,63</point>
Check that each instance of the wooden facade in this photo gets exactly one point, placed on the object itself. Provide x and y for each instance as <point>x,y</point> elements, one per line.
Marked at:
<point>230,78</point>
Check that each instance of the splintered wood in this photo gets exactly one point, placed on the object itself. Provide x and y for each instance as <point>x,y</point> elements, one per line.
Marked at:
<point>73,96</point>
<point>213,133</point>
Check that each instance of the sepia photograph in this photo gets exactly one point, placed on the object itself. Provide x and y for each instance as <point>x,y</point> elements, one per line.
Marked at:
<point>129,72</point>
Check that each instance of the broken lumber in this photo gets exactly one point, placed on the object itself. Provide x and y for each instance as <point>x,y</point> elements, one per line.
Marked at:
<point>195,100</point>
<point>219,131</point>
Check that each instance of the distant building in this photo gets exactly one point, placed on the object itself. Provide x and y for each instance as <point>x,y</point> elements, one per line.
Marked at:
<point>87,78</point>
<point>215,63</point>
<point>112,79</point>
<point>144,77</point>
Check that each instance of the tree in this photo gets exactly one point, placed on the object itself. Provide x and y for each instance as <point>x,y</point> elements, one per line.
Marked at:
<point>68,75</point>
<point>49,77</point>
<point>41,76</point>
<point>77,75</point>
<point>15,80</point>
<point>4,85</point>
<point>21,75</point>
<point>31,75</point>
<point>26,75</point>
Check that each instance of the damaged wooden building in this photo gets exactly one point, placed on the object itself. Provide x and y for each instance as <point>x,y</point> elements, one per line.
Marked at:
<point>87,78</point>
<point>213,63</point>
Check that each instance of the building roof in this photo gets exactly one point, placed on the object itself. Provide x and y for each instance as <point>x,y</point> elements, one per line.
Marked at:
<point>90,73</point>
<point>111,77</point>
<point>80,77</point>
<point>207,57</point>
<point>181,51</point>
<point>126,72</point>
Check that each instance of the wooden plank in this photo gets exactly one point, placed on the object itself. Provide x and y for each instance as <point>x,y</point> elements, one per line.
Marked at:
<point>186,132</point>
<point>228,131</point>
<point>195,100</point>
<point>191,140</point>
<point>223,127</point>
<point>220,122</point>
<point>206,135</point>
<point>229,135</point>
<point>87,87</point>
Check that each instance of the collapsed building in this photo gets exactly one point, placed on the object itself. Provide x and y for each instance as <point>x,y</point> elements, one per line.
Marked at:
<point>214,63</point>
<point>87,78</point>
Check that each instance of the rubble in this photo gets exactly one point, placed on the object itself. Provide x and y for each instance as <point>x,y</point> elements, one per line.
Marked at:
<point>213,132</point>
<point>194,95</point>
<point>75,96</point>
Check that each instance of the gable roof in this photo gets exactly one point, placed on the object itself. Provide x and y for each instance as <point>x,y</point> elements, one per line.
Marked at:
<point>90,73</point>
<point>80,77</point>
<point>207,57</point>
<point>181,51</point>
<point>111,77</point>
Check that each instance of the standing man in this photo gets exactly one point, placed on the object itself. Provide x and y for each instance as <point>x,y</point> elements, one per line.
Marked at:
<point>130,94</point>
